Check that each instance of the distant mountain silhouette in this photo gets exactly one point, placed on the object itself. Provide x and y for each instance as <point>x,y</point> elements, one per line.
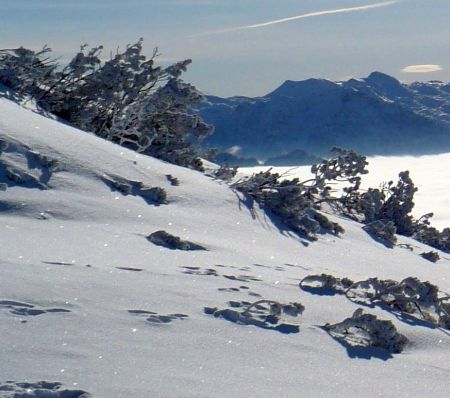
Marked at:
<point>377,115</point>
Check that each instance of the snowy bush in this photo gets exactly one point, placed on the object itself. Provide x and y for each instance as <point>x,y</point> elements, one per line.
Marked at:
<point>225,173</point>
<point>27,72</point>
<point>126,99</point>
<point>411,296</point>
<point>383,230</point>
<point>172,180</point>
<point>325,284</point>
<point>365,331</point>
<point>391,205</point>
<point>40,389</point>
<point>431,256</point>
<point>431,236</point>
<point>163,238</point>
<point>422,300</point>
<point>298,203</point>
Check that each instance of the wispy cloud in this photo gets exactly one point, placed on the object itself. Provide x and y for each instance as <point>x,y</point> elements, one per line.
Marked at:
<point>422,68</point>
<point>303,16</point>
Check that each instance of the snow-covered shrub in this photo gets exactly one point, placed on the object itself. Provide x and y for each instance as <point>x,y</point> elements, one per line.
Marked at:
<point>383,230</point>
<point>163,238</point>
<point>431,236</point>
<point>156,195</point>
<point>297,203</point>
<point>126,99</point>
<point>431,256</point>
<point>392,204</point>
<point>159,124</point>
<point>173,180</point>
<point>26,71</point>
<point>397,204</point>
<point>422,300</point>
<point>325,284</point>
<point>152,195</point>
<point>389,203</point>
<point>412,296</point>
<point>225,173</point>
<point>365,331</point>
<point>40,389</point>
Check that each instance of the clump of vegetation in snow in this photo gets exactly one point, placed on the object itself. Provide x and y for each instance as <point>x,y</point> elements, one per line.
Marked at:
<point>431,236</point>
<point>298,203</point>
<point>387,211</point>
<point>126,99</point>
<point>40,389</point>
<point>152,195</point>
<point>431,256</point>
<point>422,300</point>
<point>173,180</point>
<point>163,238</point>
<point>391,203</point>
<point>325,284</point>
<point>225,173</point>
<point>365,331</point>
<point>383,230</point>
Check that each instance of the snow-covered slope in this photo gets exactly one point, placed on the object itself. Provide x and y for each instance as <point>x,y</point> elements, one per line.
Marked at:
<point>375,116</point>
<point>87,301</point>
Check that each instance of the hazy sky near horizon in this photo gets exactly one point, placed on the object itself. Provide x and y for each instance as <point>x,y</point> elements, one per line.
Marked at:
<point>248,47</point>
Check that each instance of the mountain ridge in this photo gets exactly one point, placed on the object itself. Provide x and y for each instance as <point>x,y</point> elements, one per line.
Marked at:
<point>377,115</point>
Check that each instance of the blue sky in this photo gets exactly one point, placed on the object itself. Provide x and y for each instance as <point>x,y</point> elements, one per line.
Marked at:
<point>248,61</point>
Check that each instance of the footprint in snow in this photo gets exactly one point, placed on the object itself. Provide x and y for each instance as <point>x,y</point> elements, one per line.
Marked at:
<point>199,271</point>
<point>242,278</point>
<point>155,318</point>
<point>130,269</point>
<point>265,314</point>
<point>238,289</point>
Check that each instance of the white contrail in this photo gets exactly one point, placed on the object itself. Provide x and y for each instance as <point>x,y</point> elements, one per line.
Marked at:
<point>308,15</point>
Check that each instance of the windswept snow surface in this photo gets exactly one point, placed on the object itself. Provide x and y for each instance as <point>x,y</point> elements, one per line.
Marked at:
<point>87,301</point>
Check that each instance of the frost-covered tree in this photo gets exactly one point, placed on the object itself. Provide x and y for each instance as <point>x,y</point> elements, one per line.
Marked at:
<point>126,99</point>
<point>425,233</point>
<point>391,206</point>
<point>25,71</point>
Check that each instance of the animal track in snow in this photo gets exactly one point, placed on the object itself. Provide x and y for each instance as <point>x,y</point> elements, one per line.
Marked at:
<point>238,289</point>
<point>25,309</point>
<point>40,389</point>
<point>130,269</point>
<point>265,314</point>
<point>213,272</point>
<point>156,318</point>
<point>242,278</point>
<point>199,271</point>
<point>57,263</point>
